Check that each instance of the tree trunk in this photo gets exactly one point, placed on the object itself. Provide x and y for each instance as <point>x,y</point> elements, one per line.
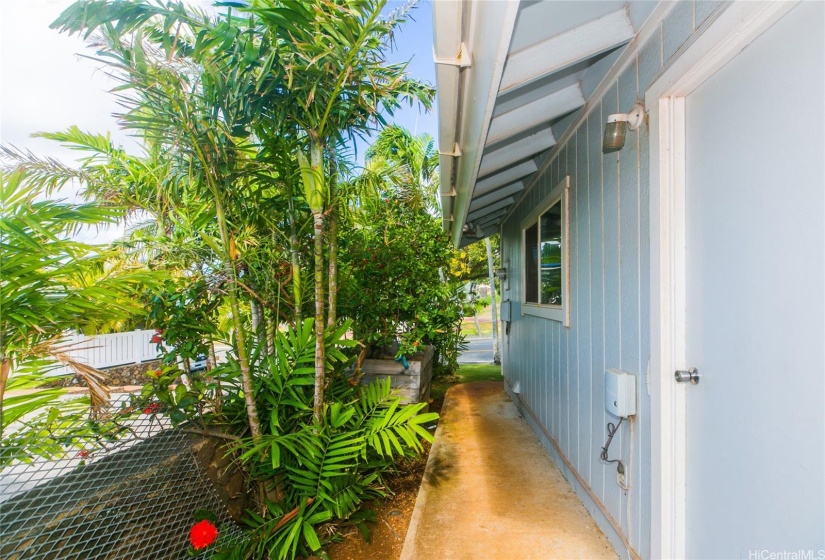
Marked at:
<point>5,373</point>
<point>211,363</point>
<point>312,174</point>
<point>258,325</point>
<point>243,358</point>
<point>297,288</point>
<point>320,358</point>
<point>270,334</point>
<point>491,272</point>
<point>332,237</point>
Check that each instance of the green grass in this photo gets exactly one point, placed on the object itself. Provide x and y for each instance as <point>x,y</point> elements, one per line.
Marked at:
<point>467,373</point>
<point>468,327</point>
<point>479,372</point>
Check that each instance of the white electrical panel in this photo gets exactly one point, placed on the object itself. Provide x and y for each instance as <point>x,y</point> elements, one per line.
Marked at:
<point>620,393</point>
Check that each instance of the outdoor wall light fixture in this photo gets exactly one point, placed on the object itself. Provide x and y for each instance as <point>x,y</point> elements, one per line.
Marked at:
<point>471,230</point>
<point>502,274</point>
<point>617,126</point>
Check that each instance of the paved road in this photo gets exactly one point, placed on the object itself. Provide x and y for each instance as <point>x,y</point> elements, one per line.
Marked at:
<point>480,351</point>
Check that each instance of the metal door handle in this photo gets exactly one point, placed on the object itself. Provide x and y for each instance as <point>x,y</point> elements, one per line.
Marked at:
<point>683,376</point>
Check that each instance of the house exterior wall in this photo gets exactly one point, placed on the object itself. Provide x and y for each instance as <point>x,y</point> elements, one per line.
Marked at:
<point>560,370</point>
<point>755,295</point>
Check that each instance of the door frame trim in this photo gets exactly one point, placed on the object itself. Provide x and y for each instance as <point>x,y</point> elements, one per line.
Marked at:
<point>726,36</point>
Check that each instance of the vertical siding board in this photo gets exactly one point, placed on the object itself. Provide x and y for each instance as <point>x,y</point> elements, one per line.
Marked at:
<point>629,287</point>
<point>582,288</point>
<point>560,168</point>
<point>551,403</point>
<point>676,28</point>
<point>650,60</point>
<point>612,295</point>
<point>574,425</point>
<point>564,332</point>
<point>597,292</point>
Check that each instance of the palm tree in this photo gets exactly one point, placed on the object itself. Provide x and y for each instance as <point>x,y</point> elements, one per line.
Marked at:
<point>337,84</point>
<point>190,80</point>
<point>208,89</point>
<point>413,161</point>
<point>52,284</point>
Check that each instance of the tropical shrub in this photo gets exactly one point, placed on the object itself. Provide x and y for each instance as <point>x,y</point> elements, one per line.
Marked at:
<point>309,473</point>
<point>393,290</point>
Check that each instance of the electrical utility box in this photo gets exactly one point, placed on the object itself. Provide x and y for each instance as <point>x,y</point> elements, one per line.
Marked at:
<point>620,393</point>
<point>505,313</point>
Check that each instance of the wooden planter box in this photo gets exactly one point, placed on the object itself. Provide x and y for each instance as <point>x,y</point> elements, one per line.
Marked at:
<point>411,384</point>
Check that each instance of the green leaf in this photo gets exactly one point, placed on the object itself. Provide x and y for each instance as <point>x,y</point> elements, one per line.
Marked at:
<point>311,537</point>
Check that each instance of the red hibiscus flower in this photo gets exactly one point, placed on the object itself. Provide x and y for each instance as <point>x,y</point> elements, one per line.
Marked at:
<point>202,534</point>
<point>151,408</point>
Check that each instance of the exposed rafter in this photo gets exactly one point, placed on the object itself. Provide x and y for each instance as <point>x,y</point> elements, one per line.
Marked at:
<point>491,222</point>
<point>496,195</point>
<point>507,176</point>
<point>498,214</point>
<point>518,150</point>
<point>561,51</point>
<point>536,112</point>
<point>487,210</point>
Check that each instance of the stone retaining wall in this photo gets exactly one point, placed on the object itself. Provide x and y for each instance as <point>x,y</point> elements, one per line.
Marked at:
<point>131,374</point>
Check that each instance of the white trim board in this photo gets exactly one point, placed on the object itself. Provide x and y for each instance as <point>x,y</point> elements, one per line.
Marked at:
<point>735,28</point>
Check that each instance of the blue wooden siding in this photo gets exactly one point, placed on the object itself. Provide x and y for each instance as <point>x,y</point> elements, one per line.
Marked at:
<point>561,370</point>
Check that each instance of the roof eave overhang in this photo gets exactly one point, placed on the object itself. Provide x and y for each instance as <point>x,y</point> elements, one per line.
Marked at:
<point>467,93</point>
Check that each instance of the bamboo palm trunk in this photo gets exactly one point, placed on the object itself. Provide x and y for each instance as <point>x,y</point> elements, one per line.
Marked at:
<point>320,358</point>
<point>332,236</point>
<point>243,358</point>
<point>297,288</point>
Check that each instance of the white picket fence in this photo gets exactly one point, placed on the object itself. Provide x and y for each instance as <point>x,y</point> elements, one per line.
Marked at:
<point>110,350</point>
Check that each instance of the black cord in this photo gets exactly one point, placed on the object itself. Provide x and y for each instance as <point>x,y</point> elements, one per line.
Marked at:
<point>611,431</point>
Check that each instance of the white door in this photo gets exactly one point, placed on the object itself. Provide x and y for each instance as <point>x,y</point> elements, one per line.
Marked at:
<point>755,297</point>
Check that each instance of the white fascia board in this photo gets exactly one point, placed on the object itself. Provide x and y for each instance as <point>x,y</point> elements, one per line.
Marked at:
<point>566,49</point>
<point>520,149</point>
<point>489,28</point>
<point>487,210</point>
<point>508,176</point>
<point>446,168</point>
<point>447,44</point>
<point>536,112</point>
<point>498,194</point>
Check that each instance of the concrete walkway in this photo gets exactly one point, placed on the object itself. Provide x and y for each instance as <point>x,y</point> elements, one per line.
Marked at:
<point>491,492</point>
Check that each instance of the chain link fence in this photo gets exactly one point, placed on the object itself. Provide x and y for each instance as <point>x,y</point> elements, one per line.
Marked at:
<point>133,498</point>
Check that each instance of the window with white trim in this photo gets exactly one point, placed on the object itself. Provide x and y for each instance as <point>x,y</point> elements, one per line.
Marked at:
<point>546,255</point>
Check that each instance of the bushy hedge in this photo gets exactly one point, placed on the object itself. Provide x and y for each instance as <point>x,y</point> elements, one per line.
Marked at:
<point>393,287</point>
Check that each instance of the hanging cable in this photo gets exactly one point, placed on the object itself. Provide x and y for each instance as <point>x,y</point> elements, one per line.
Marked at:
<point>611,431</point>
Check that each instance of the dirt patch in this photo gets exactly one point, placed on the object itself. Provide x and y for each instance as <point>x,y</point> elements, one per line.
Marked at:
<point>393,517</point>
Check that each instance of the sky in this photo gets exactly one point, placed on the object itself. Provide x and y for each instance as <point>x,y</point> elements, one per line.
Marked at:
<point>45,85</point>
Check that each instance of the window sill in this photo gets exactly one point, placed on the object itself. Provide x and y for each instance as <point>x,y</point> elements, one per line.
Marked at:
<point>545,312</point>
